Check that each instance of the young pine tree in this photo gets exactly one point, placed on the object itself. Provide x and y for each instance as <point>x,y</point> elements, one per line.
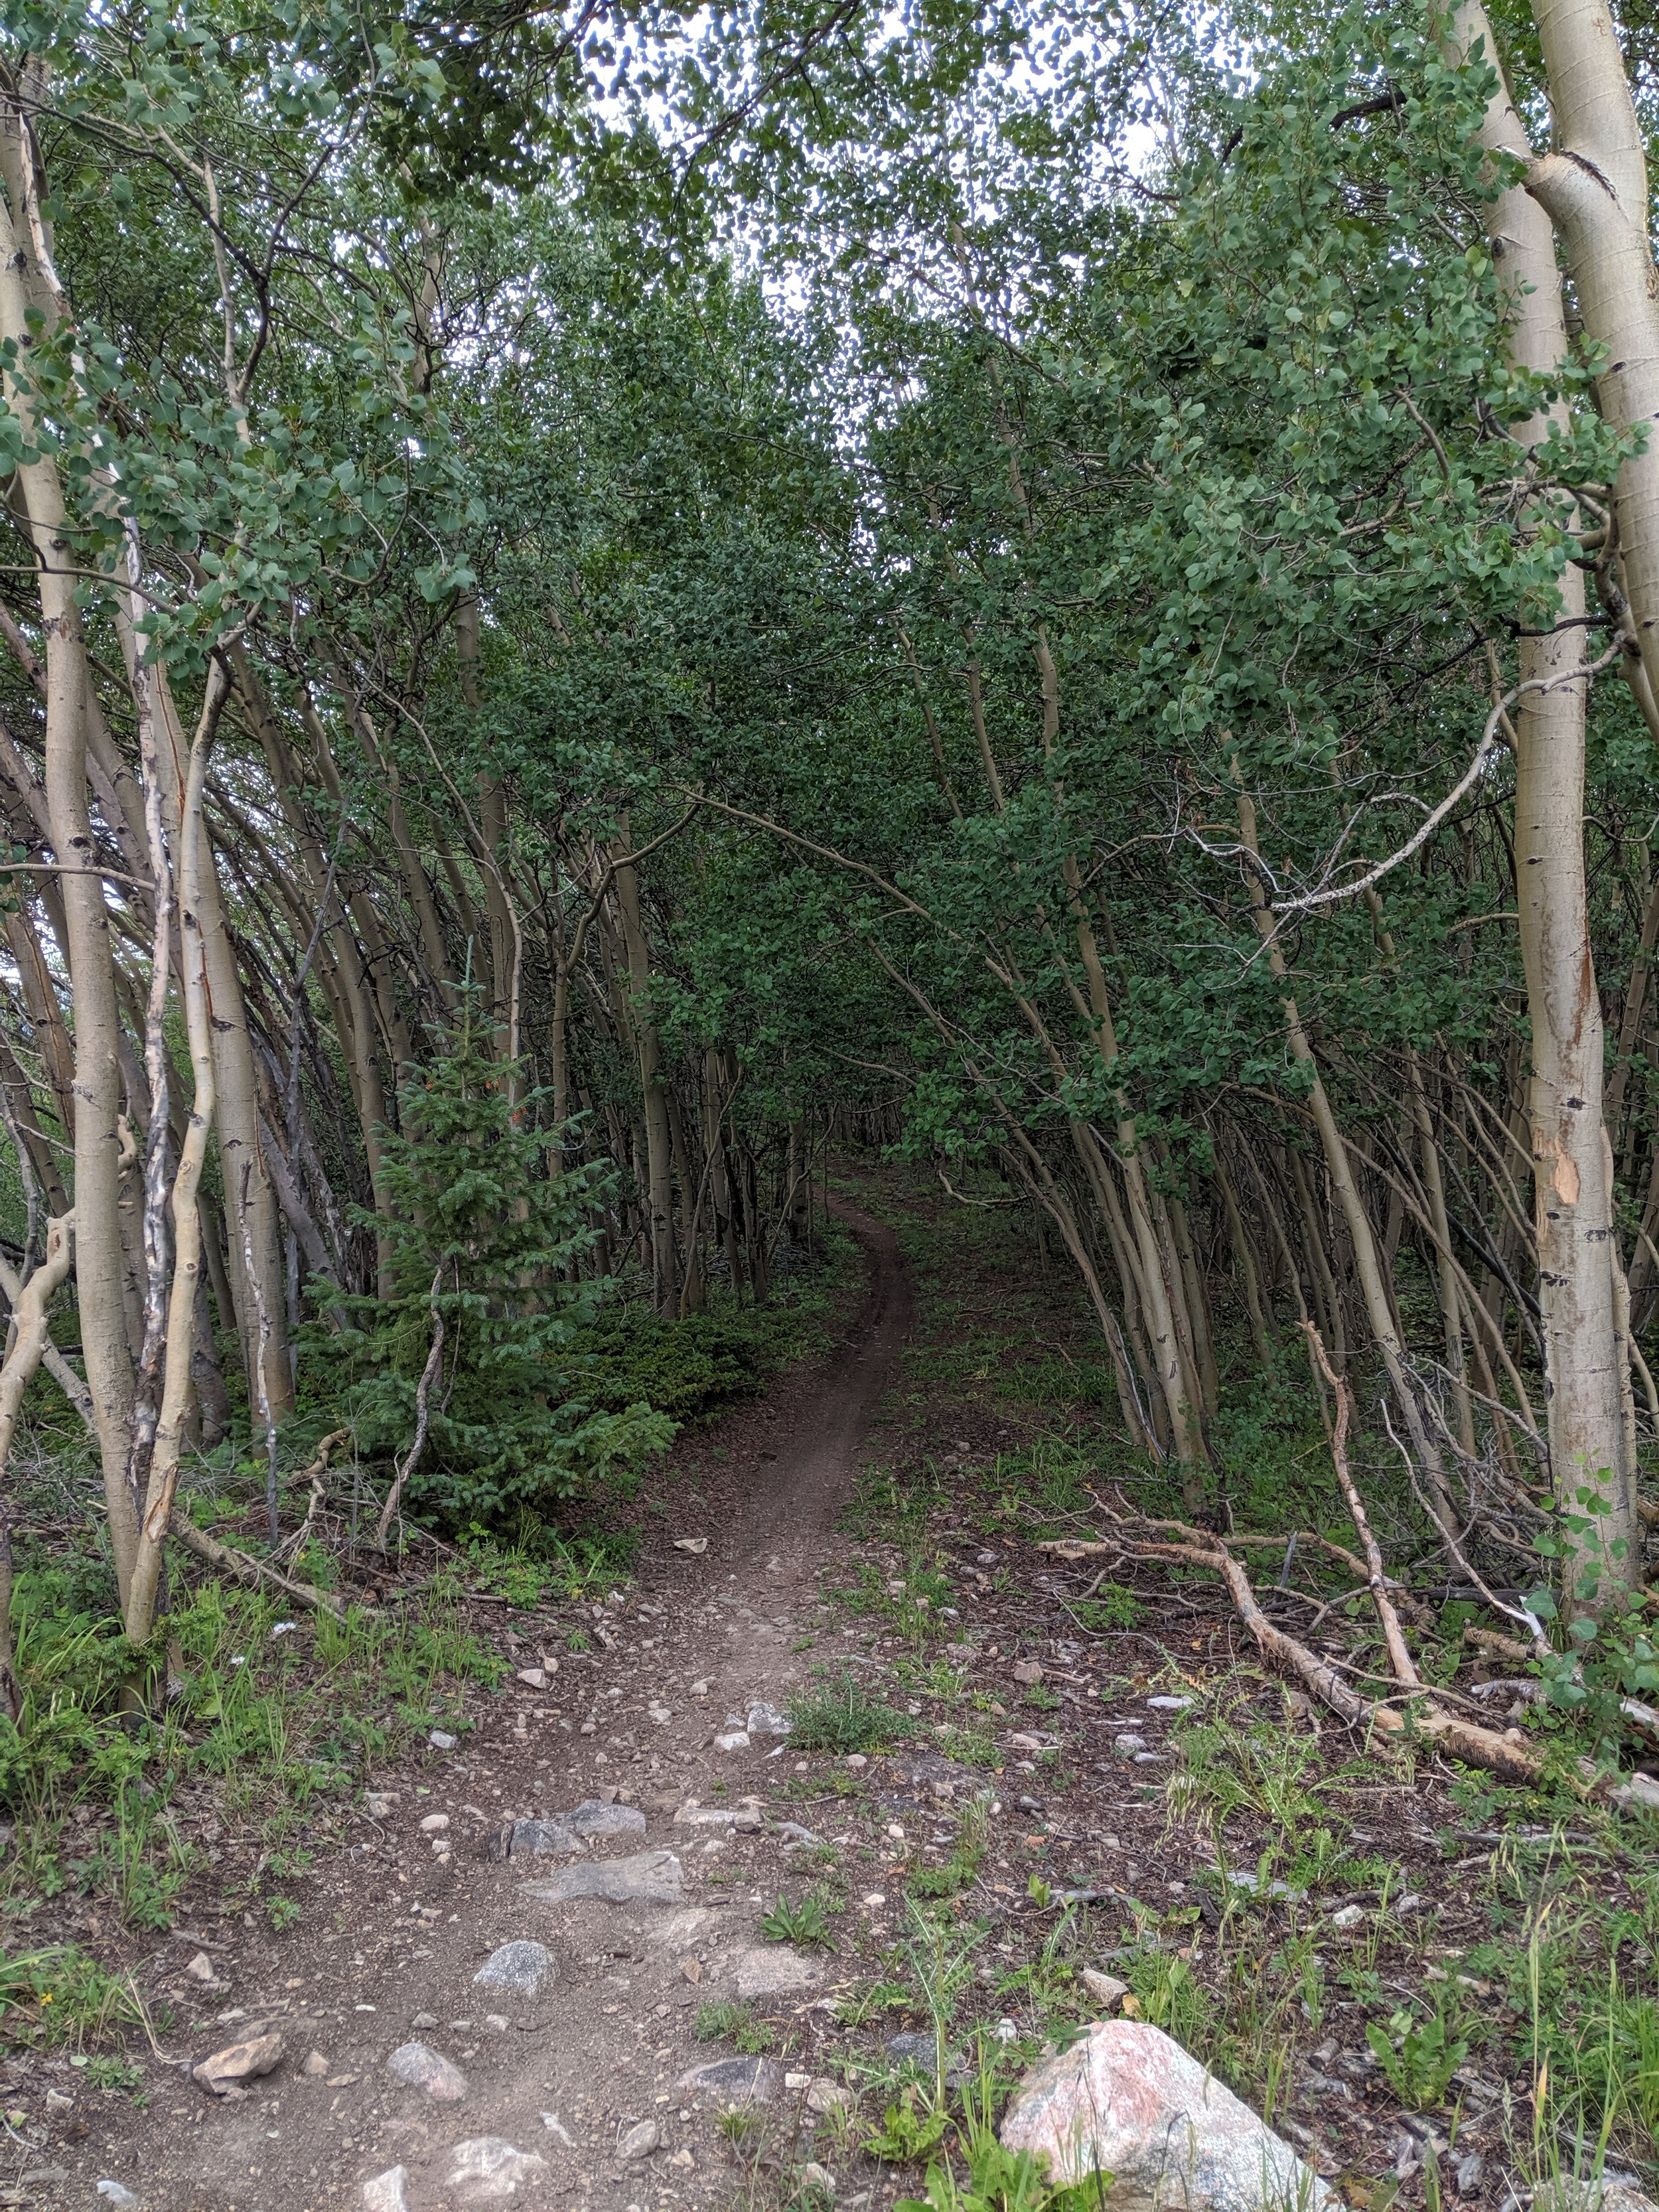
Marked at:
<point>486,1231</point>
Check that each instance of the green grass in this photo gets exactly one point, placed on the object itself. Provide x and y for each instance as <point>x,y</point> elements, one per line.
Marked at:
<point>724,2021</point>
<point>838,1714</point>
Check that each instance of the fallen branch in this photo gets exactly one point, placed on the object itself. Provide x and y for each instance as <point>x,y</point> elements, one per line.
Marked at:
<point>244,1568</point>
<point>1508,1755</point>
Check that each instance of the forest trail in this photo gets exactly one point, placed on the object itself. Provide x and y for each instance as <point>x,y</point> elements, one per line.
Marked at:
<point>556,2077</point>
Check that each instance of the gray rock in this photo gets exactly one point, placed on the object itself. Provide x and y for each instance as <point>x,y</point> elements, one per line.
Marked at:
<point>688,1931</point>
<point>735,2080</point>
<point>520,1966</point>
<point>1128,1742</point>
<point>648,1878</point>
<point>773,1970</point>
<point>424,2020</point>
<point>922,2050</point>
<point>378,1803</point>
<point>385,2193</point>
<point>486,2169</point>
<point>565,1835</point>
<point>593,1817</point>
<point>791,1833</point>
<point>814,2176</point>
<point>1128,2100</point>
<point>1169,1705</point>
<point>117,2194</point>
<point>440,1739</point>
<point>550,1839</point>
<point>640,2141</point>
<point>422,2068</point>
<point>734,1739</point>
<point>238,2063</point>
<point>767,1720</point>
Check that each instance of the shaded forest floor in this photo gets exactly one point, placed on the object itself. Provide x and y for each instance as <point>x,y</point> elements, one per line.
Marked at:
<point>1006,1775</point>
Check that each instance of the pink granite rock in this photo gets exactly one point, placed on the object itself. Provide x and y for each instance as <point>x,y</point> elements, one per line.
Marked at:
<point>1126,2101</point>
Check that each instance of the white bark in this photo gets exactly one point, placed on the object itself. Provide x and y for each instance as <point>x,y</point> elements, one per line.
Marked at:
<point>1585,1339</point>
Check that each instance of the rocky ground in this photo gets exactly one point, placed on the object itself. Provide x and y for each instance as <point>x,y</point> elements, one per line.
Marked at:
<point>548,1966</point>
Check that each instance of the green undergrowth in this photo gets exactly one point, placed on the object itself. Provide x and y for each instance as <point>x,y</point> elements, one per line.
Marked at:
<point>263,1723</point>
<point>692,1370</point>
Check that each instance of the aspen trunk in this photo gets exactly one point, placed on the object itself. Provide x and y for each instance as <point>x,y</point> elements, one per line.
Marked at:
<point>1595,195</point>
<point>99,1261</point>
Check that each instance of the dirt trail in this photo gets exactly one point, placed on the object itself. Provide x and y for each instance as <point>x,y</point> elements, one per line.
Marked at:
<point>396,1930</point>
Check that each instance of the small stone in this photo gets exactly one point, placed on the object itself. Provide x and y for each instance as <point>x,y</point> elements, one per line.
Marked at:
<point>873,1900</point>
<point>734,1739</point>
<point>824,2095</point>
<point>316,2065</point>
<point>497,2022</point>
<point>422,2068</point>
<point>767,1720</point>
<point>1348,1916</point>
<point>774,1970</point>
<point>434,1824</point>
<point>386,2192</point>
<point>692,1969</point>
<point>118,2193</point>
<point>695,1545</point>
<point>814,2176</point>
<point>640,2141</point>
<point>735,2080</point>
<point>440,1739</point>
<point>683,2159</point>
<point>379,1803</point>
<point>1169,1705</point>
<point>200,1968</point>
<point>648,1878</point>
<point>238,2063</point>
<point>522,1967</point>
<point>744,1815</point>
<point>1106,1987</point>
<point>1028,1671</point>
<point>58,2102</point>
<point>488,2168</point>
<point>534,1678</point>
<point>791,1833</point>
<point>1471,2170</point>
<point>855,1760</point>
<point>1128,1743</point>
<point>700,1689</point>
<point>661,1714</point>
<point>424,2020</point>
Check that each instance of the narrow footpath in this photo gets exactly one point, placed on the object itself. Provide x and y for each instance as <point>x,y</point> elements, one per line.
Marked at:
<point>553,2075</point>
